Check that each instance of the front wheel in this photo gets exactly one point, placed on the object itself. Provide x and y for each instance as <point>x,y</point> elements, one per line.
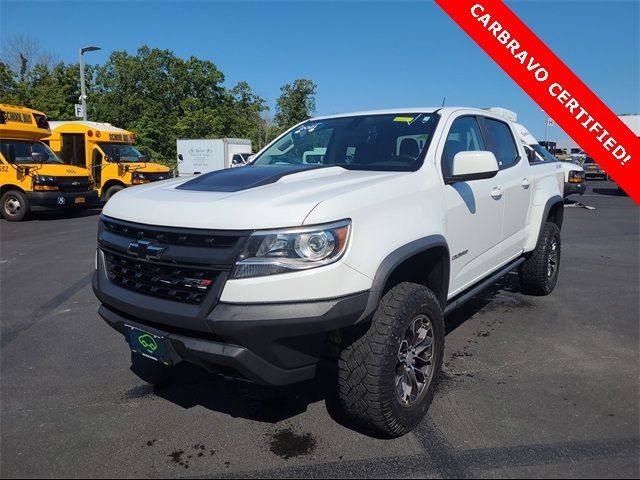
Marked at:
<point>387,376</point>
<point>14,206</point>
<point>111,191</point>
<point>539,273</point>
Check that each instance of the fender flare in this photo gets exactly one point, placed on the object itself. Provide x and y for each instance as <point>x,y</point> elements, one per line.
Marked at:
<point>396,258</point>
<point>551,203</point>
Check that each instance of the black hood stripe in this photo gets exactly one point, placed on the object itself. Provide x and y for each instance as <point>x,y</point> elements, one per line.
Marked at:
<point>243,178</point>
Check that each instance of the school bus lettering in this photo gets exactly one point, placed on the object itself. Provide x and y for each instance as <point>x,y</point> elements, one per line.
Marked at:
<point>17,117</point>
<point>118,137</point>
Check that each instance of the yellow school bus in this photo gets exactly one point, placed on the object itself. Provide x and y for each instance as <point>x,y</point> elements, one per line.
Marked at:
<point>32,176</point>
<point>108,152</point>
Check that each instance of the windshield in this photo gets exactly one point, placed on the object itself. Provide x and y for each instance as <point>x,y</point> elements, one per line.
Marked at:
<point>391,142</point>
<point>544,153</point>
<point>128,153</point>
<point>29,152</point>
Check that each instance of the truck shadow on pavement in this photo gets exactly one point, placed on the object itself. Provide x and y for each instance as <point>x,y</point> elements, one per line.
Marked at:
<point>609,192</point>
<point>46,216</point>
<point>194,386</point>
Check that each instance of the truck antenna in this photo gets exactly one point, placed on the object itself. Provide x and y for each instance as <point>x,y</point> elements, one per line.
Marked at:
<point>444,100</point>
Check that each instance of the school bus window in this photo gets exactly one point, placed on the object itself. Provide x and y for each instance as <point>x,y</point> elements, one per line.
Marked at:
<point>128,153</point>
<point>25,150</point>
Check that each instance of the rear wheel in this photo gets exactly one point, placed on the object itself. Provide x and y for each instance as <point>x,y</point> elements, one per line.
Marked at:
<point>14,205</point>
<point>387,377</point>
<point>539,274</point>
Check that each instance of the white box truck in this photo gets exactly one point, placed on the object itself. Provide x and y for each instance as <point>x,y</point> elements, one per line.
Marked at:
<point>196,156</point>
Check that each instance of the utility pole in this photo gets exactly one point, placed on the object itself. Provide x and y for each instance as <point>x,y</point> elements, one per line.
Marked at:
<point>83,93</point>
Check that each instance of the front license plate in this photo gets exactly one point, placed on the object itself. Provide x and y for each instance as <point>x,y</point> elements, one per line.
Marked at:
<point>79,200</point>
<point>147,344</point>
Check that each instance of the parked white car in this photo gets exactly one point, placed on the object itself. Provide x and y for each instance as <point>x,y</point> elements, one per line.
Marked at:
<point>396,218</point>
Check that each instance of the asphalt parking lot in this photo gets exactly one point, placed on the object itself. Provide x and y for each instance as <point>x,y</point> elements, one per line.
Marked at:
<point>533,386</point>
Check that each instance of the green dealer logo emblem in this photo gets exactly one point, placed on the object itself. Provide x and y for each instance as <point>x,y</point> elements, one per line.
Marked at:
<point>148,342</point>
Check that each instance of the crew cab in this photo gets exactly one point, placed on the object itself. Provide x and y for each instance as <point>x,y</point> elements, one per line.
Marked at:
<point>353,254</point>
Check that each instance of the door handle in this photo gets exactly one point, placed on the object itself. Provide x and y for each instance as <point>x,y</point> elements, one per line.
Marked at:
<point>496,193</point>
<point>526,183</point>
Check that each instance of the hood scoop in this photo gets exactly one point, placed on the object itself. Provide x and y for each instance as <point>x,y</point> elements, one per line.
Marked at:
<point>243,178</point>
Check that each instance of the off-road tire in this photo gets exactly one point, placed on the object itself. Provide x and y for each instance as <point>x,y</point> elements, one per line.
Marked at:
<point>150,371</point>
<point>111,191</point>
<point>21,203</point>
<point>367,364</point>
<point>534,272</point>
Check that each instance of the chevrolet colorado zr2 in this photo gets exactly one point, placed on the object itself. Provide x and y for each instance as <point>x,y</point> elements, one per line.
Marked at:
<point>349,235</point>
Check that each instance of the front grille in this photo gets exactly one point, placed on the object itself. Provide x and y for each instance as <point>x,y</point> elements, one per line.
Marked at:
<point>169,237</point>
<point>157,176</point>
<point>171,282</point>
<point>73,184</point>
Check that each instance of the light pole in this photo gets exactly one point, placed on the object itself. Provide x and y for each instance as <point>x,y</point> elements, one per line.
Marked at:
<point>83,94</point>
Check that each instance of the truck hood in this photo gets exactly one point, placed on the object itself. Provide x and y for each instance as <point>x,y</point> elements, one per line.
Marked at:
<point>55,169</point>
<point>245,198</point>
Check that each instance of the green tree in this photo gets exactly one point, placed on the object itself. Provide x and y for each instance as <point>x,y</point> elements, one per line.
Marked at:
<point>296,103</point>
<point>7,84</point>
<point>153,93</point>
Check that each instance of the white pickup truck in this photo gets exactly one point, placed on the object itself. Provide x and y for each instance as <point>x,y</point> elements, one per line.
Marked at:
<point>354,256</point>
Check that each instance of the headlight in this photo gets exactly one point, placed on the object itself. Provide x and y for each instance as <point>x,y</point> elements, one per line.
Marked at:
<point>140,178</point>
<point>45,180</point>
<point>576,176</point>
<point>271,252</point>
<point>45,183</point>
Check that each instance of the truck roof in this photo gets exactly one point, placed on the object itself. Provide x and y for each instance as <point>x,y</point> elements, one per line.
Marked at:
<point>416,110</point>
<point>22,123</point>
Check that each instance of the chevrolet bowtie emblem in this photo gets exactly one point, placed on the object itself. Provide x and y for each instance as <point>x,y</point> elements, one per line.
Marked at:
<point>145,250</point>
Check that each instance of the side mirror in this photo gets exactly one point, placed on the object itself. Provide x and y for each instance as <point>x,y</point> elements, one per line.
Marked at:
<point>469,166</point>
<point>116,155</point>
<point>39,157</point>
<point>143,158</point>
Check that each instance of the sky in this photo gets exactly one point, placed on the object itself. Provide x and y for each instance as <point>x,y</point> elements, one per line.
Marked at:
<point>362,55</point>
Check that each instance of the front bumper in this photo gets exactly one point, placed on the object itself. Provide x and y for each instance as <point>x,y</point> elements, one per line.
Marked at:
<point>47,200</point>
<point>571,188</point>
<point>595,174</point>
<point>271,343</point>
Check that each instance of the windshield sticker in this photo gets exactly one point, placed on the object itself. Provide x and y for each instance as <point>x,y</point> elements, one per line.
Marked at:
<point>307,128</point>
<point>404,119</point>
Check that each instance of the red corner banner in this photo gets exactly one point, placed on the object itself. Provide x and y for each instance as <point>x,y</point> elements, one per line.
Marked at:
<point>552,85</point>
